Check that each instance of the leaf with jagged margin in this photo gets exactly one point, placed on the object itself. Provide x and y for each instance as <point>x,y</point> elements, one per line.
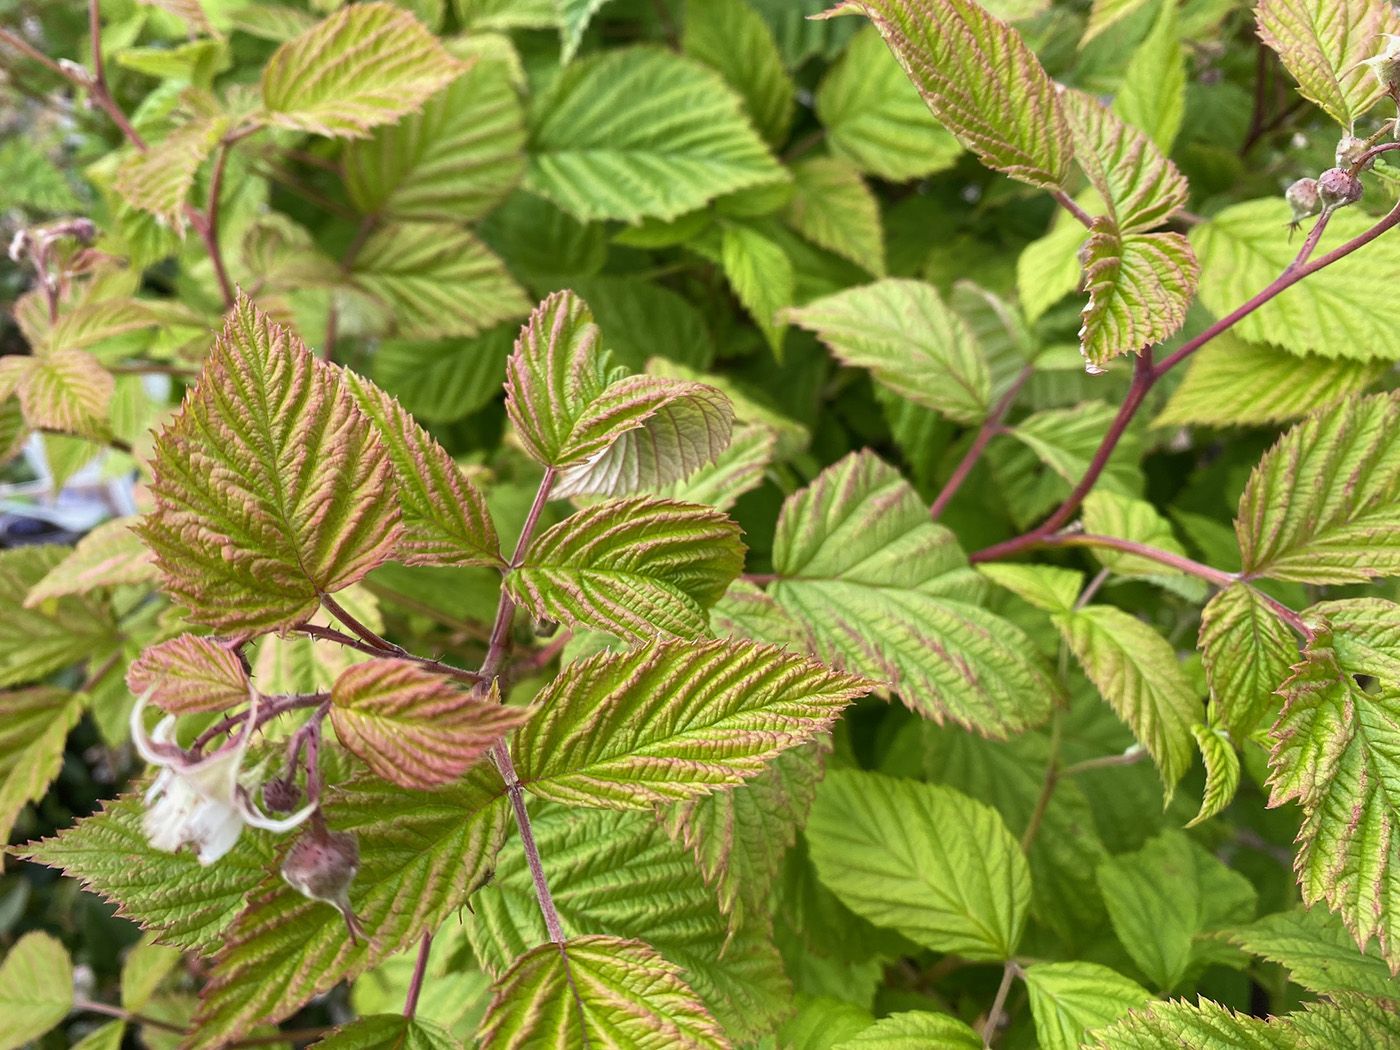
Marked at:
<point>762,277</point>
<point>740,468</point>
<point>422,854</point>
<point>1065,440</point>
<point>508,14</point>
<point>271,486</point>
<point>914,1030</point>
<point>882,589</point>
<point>1323,44</point>
<point>833,208</point>
<point>674,720</point>
<point>910,340</point>
<point>1136,670</point>
<point>1366,632</point>
<point>437,280</point>
<point>1140,186</point>
<point>1047,269</point>
<point>1163,899</point>
<point>875,119</point>
<point>1355,1022</point>
<point>746,611</point>
<point>1152,95</point>
<point>1333,313</point>
<point>740,836</point>
<point>1336,754</point>
<point>389,1032</point>
<point>1323,505</point>
<point>1222,765</point>
<point>453,161</point>
<point>980,80</point>
<point>109,556</point>
<point>36,988</point>
<point>597,991</point>
<point>1140,286</point>
<point>442,382</point>
<point>159,180</point>
<point>34,725</point>
<point>63,390</point>
<point>633,568</point>
<point>733,39</point>
<point>363,66</point>
<point>187,904</point>
<point>1319,954</point>
<point>924,860</point>
<point>617,874</point>
<point>190,673</point>
<point>445,518</point>
<point>1248,652</point>
<point>1069,1000</point>
<point>1105,14</point>
<point>642,319</point>
<point>1203,1025</point>
<point>641,132</point>
<point>59,632</point>
<point>1108,513</point>
<point>413,727</point>
<point>1047,587</point>
<point>13,431</point>
<point>1231,383</point>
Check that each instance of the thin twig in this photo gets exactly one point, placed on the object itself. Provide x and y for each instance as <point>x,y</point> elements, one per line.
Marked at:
<point>991,426</point>
<point>1141,550</point>
<point>996,1016</point>
<point>87,1006</point>
<point>29,51</point>
<point>1066,202</point>
<point>1130,757</point>
<point>330,634</point>
<point>209,225</point>
<point>369,636</point>
<point>420,970</point>
<point>1047,788</point>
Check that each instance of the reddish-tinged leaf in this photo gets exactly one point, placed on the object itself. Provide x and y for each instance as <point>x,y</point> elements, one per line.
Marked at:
<point>1140,286</point>
<point>190,673</point>
<point>108,556</point>
<point>62,390</point>
<point>413,727</point>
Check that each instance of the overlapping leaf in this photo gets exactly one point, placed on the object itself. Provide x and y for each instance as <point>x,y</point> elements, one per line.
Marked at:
<point>109,556</point>
<point>1152,96</point>
<point>1070,1000</point>
<point>740,468</point>
<point>389,1032</point>
<point>1222,765</point>
<point>159,179</point>
<point>190,673</point>
<point>1204,1024</point>
<point>762,277</point>
<point>914,1030</point>
<point>34,725</point>
<point>1319,954</point>
<point>834,208</point>
<point>1247,652</point>
<point>732,38</point>
<point>57,632</point>
<point>270,484</point>
<point>1140,286</point>
<point>674,720</point>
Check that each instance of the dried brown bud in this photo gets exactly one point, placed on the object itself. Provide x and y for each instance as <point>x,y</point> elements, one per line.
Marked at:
<point>1337,188</point>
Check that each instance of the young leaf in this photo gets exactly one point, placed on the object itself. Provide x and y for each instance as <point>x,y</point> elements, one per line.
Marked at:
<point>159,180</point>
<point>1319,954</point>
<point>914,1030</point>
<point>883,589</point>
<point>1136,671</point>
<point>1106,14</point>
<point>673,720</point>
<point>1044,586</point>
<point>109,556</point>
<point>641,132</point>
<point>597,991</point>
<point>761,275</point>
<point>1247,651</point>
<point>56,633</point>
<point>1323,505</point>
<point>1204,1024</point>
<point>445,519</point>
<point>389,1032</point>
<point>365,65</point>
<point>190,673</point>
<point>981,81</point>
<point>34,725</point>
<point>1139,285</point>
<point>270,484</point>
<point>833,208</point>
<point>926,861</point>
<point>1323,43</point>
<point>740,468</point>
<point>732,38</point>
<point>633,568</point>
<point>63,390</point>
<point>910,340</point>
<point>1071,1000</point>
<point>36,988</point>
<point>1222,771</point>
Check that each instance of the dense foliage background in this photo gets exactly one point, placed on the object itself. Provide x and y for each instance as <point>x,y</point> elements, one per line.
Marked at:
<point>1068,793</point>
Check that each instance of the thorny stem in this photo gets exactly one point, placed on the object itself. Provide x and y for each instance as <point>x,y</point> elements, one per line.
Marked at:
<point>991,426</point>
<point>330,634</point>
<point>420,970</point>
<point>1174,561</point>
<point>344,616</point>
<point>271,707</point>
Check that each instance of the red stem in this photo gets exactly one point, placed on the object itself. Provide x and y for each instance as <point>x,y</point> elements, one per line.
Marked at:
<point>420,970</point>
<point>991,426</point>
<point>1179,562</point>
<point>1067,202</point>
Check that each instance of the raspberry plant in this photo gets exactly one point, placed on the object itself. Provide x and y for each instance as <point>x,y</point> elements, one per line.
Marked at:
<point>706,527</point>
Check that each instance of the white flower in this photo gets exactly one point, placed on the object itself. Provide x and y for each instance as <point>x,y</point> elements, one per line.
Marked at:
<point>199,801</point>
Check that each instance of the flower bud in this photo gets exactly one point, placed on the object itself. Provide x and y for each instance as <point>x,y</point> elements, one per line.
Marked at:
<point>321,865</point>
<point>1386,65</point>
<point>281,795</point>
<point>1337,188</point>
<point>1303,198</point>
<point>1350,150</point>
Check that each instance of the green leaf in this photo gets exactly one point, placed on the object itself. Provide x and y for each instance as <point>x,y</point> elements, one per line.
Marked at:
<point>1350,1021</point>
<point>452,161</point>
<point>634,568</point>
<point>1222,771</point>
<point>1070,1000</point>
<point>36,988</point>
<point>64,390</point>
<point>1044,586</point>
<point>55,633</point>
<point>109,556</point>
<point>1333,313</point>
<point>673,720</point>
<point>732,38</point>
<point>1165,897</point>
<point>1047,269</point>
<point>144,969</point>
<point>641,132</point>
<point>1113,514</point>
<point>415,728</point>
<point>1366,632</point>
<point>1323,505</point>
<point>34,725</point>
<point>1231,383</point>
<point>599,991</point>
<point>833,208</point>
<point>1140,286</point>
<point>388,1032</point>
<point>1247,652</point>
<point>641,319</point>
<point>914,1030</point>
<point>1152,96</point>
<point>508,14</point>
<point>926,861</point>
<point>981,81</point>
<point>190,673</point>
<point>875,119</point>
<point>269,484</point>
<point>1319,954</point>
<point>363,66</point>
<point>1323,43</point>
<point>883,589</point>
<point>436,280</point>
<point>762,276</point>
<point>740,468</point>
<point>1106,14</point>
<point>445,520</point>
<point>910,340</point>
<point>422,854</point>
<point>441,382</point>
<point>1202,1026</point>
<point>159,180</point>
